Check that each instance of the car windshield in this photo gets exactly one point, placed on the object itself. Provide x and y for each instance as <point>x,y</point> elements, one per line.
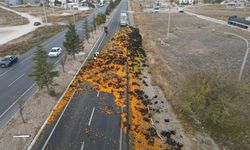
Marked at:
<point>156,8</point>
<point>54,50</point>
<point>6,58</point>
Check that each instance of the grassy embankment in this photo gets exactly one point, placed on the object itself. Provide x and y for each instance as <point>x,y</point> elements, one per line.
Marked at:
<point>219,106</point>
<point>11,19</point>
<point>30,40</point>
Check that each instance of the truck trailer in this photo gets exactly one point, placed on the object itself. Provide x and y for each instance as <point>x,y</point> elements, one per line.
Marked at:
<point>123,19</point>
<point>234,20</point>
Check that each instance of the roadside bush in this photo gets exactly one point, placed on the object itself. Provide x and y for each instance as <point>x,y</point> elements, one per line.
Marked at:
<point>111,6</point>
<point>100,19</point>
<point>220,106</point>
<point>52,93</point>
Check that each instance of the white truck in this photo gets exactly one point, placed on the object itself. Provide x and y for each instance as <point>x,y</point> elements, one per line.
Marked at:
<point>123,19</point>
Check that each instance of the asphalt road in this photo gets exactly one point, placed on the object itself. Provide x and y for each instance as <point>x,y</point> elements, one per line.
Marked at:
<point>16,86</point>
<point>85,123</point>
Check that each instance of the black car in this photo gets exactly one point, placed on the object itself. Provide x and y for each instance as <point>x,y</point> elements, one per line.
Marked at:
<point>8,61</point>
<point>37,23</point>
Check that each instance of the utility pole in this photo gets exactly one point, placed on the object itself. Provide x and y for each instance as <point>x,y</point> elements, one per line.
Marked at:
<point>168,22</point>
<point>45,15</point>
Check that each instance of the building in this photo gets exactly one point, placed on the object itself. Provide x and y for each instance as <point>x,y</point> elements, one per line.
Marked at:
<point>186,2</point>
<point>14,2</point>
<point>235,3</point>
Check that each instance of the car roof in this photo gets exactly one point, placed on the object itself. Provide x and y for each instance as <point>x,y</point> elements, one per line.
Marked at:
<point>55,47</point>
<point>8,56</point>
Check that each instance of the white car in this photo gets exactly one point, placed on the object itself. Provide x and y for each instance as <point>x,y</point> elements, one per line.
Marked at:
<point>156,10</point>
<point>55,52</point>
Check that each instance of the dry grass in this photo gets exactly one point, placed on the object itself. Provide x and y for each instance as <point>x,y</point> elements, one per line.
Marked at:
<point>30,40</point>
<point>69,18</point>
<point>38,11</point>
<point>220,11</point>
<point>54,14</point>
<point>193,45</point>
<point>9,18</point>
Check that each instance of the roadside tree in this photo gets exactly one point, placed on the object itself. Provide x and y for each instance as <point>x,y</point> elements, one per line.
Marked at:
<point>86,28</point>
<point>72,41</point>
<point>94,23</point>
<point>43,72</point>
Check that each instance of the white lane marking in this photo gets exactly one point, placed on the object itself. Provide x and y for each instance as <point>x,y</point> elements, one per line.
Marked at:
<point>21,136</point>
<point>120,144</point>
<point>98,94</point>
<point>15,66</point>
<point>6,72</point>
<point>90,119</point>
<point>59,59</point>
<point>82,147</point>
<point>17,100</point>
<point>16,80</point>
<point>46,142</point>
<point>100,43</point>
<point>26,59</point>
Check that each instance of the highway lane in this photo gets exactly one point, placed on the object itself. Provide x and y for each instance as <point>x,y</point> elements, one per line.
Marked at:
<point>14,80</point>
<point>84,123</point>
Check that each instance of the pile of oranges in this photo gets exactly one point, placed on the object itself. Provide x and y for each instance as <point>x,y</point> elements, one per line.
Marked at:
<point>120,62</point>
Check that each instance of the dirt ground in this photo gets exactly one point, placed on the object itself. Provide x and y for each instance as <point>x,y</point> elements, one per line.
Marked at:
<point>220,11</point>
<point>196,44</point>
<point>26,42</point>
<point>192,45</point>
<point>10,19</point>
<point>54,15</point>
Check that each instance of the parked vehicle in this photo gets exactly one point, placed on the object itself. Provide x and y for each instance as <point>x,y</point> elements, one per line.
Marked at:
<point>156,10</point>
<point>234,20</point>
<point>7,61</point>
<point>37,23</point>
<point>55,52</point>
<point>123,19</point>
<point>181,9</point>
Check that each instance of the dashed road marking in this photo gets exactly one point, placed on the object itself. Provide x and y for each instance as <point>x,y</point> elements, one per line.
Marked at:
<point>91,117</point>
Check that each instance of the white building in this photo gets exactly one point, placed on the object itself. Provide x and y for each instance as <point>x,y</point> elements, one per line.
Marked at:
<point>188,2</point>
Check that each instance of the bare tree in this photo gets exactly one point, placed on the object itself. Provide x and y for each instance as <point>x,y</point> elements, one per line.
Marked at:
<point>20,105</point>
<point>63,61</point>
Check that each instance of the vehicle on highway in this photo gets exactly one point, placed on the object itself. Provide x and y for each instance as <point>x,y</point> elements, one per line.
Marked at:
<point>37,23</point>
<point>181,9</point>
<point>123,19</point>
<point>234,20</point>
<point>156,10</point>
<point>7,61</point>
<point>105,28</point>
<point>55,52</point>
